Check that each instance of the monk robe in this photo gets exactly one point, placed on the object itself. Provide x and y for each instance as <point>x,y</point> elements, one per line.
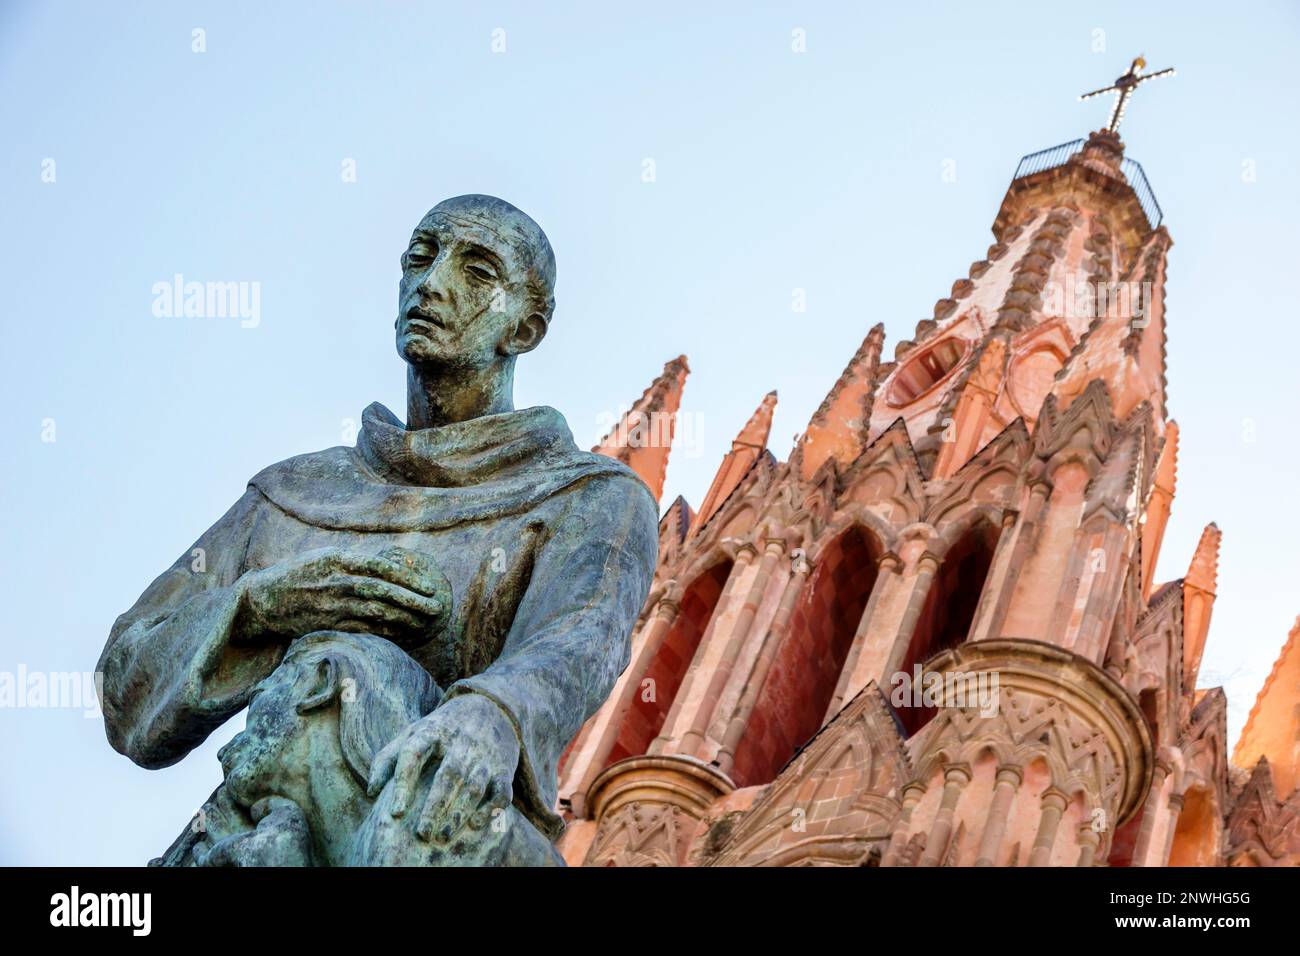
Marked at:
<point>549,552</point>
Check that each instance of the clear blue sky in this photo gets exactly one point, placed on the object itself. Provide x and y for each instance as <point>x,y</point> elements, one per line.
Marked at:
<point>775,171</point>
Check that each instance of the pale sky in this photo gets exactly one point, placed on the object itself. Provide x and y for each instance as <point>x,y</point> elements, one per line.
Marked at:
<point>775,170</point>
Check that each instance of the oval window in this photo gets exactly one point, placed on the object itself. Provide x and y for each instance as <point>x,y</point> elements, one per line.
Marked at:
<point>925,371</point>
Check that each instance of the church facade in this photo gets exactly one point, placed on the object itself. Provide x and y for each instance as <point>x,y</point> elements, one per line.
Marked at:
<point>932,636</point>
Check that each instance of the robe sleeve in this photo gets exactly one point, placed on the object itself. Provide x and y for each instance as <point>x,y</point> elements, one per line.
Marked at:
<point>570,638</point>
<point>170,675</point>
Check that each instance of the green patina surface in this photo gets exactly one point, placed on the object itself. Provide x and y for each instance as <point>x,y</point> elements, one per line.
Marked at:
<point>419,624</point>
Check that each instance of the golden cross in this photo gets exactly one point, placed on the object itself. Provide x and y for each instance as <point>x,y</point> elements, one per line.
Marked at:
<point>1125,86</point>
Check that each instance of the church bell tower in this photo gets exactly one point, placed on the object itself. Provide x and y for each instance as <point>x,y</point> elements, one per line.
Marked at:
<point>932,636</point>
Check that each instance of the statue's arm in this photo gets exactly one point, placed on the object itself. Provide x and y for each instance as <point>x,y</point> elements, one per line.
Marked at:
<point>570,638</point>
<point>170,676</point>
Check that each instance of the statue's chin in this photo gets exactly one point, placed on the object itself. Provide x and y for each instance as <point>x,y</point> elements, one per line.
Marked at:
<point>422,353</point>
<point>417,349</point>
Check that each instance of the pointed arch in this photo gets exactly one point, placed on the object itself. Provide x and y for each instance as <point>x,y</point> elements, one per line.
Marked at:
<point>950,605</point>
<point>798,688</point>
<point>645,718</point>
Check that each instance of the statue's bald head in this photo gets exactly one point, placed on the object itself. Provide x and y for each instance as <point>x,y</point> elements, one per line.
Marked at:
<point>477,288</point>
<point>515,227</point>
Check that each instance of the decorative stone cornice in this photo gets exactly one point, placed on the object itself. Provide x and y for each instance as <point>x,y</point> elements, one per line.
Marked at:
<point>683,782</point>
<point>1051,703</point>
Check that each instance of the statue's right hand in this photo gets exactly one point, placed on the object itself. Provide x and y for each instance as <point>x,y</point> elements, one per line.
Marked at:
<point>398,594</point>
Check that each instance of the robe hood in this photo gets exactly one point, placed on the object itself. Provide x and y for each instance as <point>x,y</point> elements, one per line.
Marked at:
<point>396,480</point>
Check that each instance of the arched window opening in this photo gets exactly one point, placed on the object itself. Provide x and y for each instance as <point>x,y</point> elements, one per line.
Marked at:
<point>1196,836</point>
<point>926,370</point>
<point>645,718</point>
<point>949,609</point>
<point>803,676</point>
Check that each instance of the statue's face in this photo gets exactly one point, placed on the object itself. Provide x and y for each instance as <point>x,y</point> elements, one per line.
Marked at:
<point>253,762</point>
<point>464,298</point>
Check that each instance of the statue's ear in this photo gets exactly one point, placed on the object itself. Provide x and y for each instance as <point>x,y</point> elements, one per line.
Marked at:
<point>528,334</point>
<point>322,686</point>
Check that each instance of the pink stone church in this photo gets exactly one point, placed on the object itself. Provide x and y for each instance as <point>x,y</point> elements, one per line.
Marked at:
<point>932,636</point>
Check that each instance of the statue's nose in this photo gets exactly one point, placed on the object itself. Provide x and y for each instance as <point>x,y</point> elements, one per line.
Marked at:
<point>229,745</point>
<point>434,283</point>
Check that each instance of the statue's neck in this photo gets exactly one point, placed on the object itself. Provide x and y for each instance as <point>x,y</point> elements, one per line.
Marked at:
<point>441,396</point>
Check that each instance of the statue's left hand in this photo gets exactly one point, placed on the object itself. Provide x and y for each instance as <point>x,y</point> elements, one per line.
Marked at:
<point>477,752</point>
<point>281,838</point>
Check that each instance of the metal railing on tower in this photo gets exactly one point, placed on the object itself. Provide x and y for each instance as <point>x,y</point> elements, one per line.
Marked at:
<point>1055,156</point>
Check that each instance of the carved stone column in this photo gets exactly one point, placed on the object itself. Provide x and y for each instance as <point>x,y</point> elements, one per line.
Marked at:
<point>851,680</point>
<point>912,794</point>
<point>1171,828</point>
<point>927,566</point>
<point>648,809</point>
<point>1004,791</point>
<point>681,715</point>
<point>1054,802</point>
<point>1150,813</point>
<point>762,664</point>
<point>1016,543</point>
<point>955,778</point>
<point>722,694</point>
<point>1088,840</point>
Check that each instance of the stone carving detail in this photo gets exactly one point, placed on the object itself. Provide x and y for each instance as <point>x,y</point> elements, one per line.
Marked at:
<point>1027,727</point>
<point>1022,299</point>
<point>637,835</point>
<point>1263,830</point>
<point>834,802</point>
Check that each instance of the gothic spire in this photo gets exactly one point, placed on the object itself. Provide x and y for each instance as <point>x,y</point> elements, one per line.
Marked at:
<point>642,439</point>
<point>745,450</point>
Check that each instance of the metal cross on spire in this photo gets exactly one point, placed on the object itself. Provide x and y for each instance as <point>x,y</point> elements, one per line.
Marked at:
<point>1124,87</point>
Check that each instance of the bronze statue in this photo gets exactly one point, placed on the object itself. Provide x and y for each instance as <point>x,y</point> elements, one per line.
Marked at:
<point>476,538</point>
